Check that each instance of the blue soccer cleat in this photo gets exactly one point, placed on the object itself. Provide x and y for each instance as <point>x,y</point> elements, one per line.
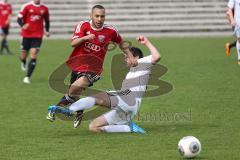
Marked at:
<point>53,110</point>
<point>51,113</point>
<point>135,128</point>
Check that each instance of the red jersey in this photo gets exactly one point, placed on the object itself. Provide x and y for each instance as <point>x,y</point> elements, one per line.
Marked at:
<point>5,12</point>
<point>89,56</point>
<point>34,15</point>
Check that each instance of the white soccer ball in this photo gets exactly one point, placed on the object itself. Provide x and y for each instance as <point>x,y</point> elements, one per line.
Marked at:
<point>189,147</point>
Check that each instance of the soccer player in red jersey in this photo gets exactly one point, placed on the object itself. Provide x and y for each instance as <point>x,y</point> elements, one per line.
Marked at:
<point>31,18</point>
<point>90,41</point>
<point>5,18</point>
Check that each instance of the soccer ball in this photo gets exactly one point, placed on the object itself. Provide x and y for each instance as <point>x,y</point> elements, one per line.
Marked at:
<point>189,147</point>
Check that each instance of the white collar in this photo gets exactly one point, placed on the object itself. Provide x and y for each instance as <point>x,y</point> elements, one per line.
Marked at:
<point>36,5</point>
<point>95,29</point>
<point>3,2</point>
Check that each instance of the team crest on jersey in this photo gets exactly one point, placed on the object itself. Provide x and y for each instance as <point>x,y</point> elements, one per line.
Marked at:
<point>101,38</point>
<point>31,11</point>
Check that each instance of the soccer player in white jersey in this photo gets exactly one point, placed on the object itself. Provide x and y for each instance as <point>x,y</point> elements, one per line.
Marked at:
<point>125,103</point>
<point>234,6</point>
<point>230,45</point>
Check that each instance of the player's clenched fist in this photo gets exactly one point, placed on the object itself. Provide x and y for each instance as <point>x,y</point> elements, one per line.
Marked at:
<point>25,26</point>
<point>90,36</point>
<point>142,39</point>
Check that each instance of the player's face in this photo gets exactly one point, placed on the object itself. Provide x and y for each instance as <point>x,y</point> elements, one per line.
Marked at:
<point>98,18</point>
<point>37,1</point>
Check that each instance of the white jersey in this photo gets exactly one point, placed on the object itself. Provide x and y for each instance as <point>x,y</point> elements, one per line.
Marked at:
<point>136,81</point>
<point>235,4</point>
<point>137,78</point>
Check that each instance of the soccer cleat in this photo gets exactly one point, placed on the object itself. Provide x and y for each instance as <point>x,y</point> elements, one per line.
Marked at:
<point>239,62</point>
<point>135,128</point>
<point>78,119</point>
<point>51,113</point>
<point>26,80</point>
<point>228,49</point>
<point>23,67</point>
<point>54,110</point>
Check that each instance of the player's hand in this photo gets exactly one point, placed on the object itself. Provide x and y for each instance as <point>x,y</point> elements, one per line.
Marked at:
<point>47,34</point>
<point>132,62</point>
<point>142,39</point>
<point>90,36</point>
<point>25,26</point>
<point>7,23</point>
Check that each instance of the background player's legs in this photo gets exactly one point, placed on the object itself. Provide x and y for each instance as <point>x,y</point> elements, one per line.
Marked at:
<point>23,58</point>
<point>237,32</point>
<point>238,49</point>
<point>25,46</point>
<point>233,44</point>
<point>229,46</point>
<point>4,42</point>
<point>31,64</point>
<point>1,49</point>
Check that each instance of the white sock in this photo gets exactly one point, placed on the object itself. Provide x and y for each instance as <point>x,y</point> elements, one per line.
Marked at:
<point>116,128</point>
<point>238,50</point>
<point>82,104</point>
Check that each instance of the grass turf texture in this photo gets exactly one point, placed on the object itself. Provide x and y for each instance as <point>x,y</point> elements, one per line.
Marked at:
<point>206,83</point>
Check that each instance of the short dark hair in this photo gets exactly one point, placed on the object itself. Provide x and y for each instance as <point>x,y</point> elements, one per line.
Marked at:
<point>136,52</point>
<point>98,7</point>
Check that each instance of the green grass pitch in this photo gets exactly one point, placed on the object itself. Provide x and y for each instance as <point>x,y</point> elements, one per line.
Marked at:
<point>205,93</point>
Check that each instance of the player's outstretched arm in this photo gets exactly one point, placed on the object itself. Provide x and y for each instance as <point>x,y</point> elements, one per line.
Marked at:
<point>78,41</point>
<point>47,27</point>
<point>153,50</point>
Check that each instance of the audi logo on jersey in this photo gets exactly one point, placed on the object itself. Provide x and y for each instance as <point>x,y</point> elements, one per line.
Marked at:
<point>34,18</point>
<point>92,46</point>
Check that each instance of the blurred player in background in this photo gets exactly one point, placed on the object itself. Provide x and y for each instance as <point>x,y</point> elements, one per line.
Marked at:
<point>5,18</point>
<point>125,103</point>
<point>235,21</point>
<point>228,45</point>
<point>32,18</point>
<point>90,41</point>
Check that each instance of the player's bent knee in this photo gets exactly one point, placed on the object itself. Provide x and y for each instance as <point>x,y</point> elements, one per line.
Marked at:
<point>93,128</point>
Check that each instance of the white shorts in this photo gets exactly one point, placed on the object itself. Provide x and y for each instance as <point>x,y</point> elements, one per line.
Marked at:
<point>118,117</point>
<point>126,100</point>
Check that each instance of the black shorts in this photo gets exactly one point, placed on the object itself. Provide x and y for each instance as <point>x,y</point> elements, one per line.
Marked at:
<point>92,77</point>
<point>28,43</point>
<point>5,30</point>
